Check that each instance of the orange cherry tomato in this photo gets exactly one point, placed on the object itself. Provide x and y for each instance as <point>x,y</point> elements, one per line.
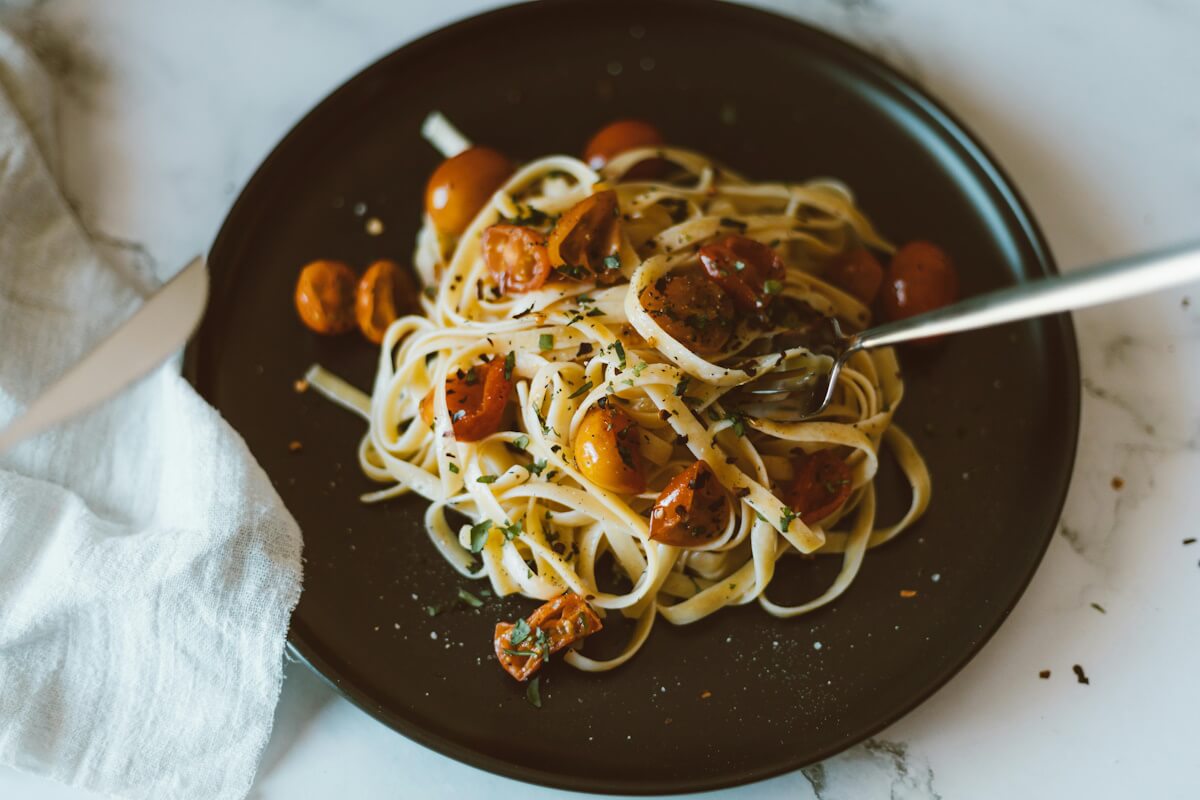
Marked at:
<point>608,450</point>
<point>556,624</point>
<point>857,273</point>
<point>462,184</point>
<point>621,136</point>
<point>587,238</point>
<point>819,486</point>
<point>748,270</point>
<point>325,296</point>
<point>476,399</point>
<point>692,309</point>
<point>920,278</point>
<point>516,257</point>
<point>385,292</point>
<point>694,507</point>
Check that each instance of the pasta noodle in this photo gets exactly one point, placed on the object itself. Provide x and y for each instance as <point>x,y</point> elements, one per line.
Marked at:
<point>538,524</point>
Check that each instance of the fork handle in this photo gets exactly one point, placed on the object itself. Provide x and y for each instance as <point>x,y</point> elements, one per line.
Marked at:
<point>1113,280</point>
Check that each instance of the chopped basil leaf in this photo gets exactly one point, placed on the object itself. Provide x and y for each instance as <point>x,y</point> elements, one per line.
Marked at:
<point>514,530</point>
<point>587,387</point>
<point>479,534</point>
<point>637,368</point>
<point>772,287</point>
<point>430,292</point>
<point>739,422</point>
<point>510,361</point>
<point>520,653</point>
<point>612,262</point>
<point>620,348</point>
<point>521,442</point>
<point>469,599</point>
<point>520,632</point>
<point>537,466</point>
<point>472,377</point>
<point>486,479</point>
<point>533,694</point>
<point>595,312</point>
<point>452,467</point>
<point>682,386</point>
<point>546,341</point>
<point>433,611</point>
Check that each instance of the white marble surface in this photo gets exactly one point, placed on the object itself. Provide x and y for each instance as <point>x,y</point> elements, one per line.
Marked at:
<point>1093,106</point>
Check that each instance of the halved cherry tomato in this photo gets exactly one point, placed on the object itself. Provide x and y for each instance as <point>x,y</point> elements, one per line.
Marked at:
<point>692,309</point>
<point>516,257</point>
<point>858,273</point>
<point>556,624</point>
<point>325,296</point>
<point>385,292</point>
<point>587,237</point>
<point>819,486</point>
<point>750,271</point>
<point>475,399</point>
<point>461,185</point>
<point>608,450</point>
<point>620,136</point>
<point>692,508</point>
<point>920,278</point>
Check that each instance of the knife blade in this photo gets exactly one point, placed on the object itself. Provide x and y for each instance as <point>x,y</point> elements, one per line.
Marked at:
<point>156,330</point>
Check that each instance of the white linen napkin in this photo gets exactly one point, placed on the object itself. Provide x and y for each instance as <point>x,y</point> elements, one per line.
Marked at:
<point>147,567</point>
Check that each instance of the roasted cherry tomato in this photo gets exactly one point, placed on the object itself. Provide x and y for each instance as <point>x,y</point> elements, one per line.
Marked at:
<point>618,137</point>
<point>462,184</point>
<point>325,296</point>
<point>476,399</point>
<point>748,270</point>
<point>587,237</point>
<point>920,278</point>
<point>608,450</point>
<point>516,257</point>
<point>857,273</point>
<point>385,292</point>
<point>558,623</point>
<point>820,484</point>
<point>692,309</point>
<point>693,508</point>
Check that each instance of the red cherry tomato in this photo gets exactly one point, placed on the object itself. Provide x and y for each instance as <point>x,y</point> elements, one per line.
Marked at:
<point>748,270</point>
<point>692,309</point>
<point>462,184</point>
<point>587,238</point>
<point>819,485</point>
<point>516,257</point>
<point>621,136</point>
<point>692,508</point>
<point>475,399</point>
<point>857,273</point>
<point>556,624</point>
<point>920,278</point>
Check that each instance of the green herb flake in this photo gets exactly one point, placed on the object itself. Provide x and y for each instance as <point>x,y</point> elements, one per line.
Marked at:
<point>739,265</point>
<point>537,466</point>
<point>430,292</point>
<point>433,611</point>
<point>637,368</point>
<point>521,442</point>
<point>772,287</point>
<point>546,341</point>
<point>758,514</point>
<point>785,519</point>
<point>452,467</point>
<point>520,632</point>
<point>612,262</point>
<point>469,599</point>
<point>486,479</point>
<point>682,386</point>
<point>513,530</point>
<point>533,694</point>
<point>739,423</point>
<point>479,534</point>
<point>587,387</point>
<point>595,312</point>
<point>510,361</point>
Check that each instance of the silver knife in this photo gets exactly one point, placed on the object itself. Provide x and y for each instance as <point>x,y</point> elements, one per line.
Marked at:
<point>142,342</point>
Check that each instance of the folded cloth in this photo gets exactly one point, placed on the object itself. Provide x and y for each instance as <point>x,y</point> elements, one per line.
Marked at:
<point>147,567</point>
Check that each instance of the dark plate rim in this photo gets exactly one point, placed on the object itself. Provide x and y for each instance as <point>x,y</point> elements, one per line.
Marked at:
<point>882,74</point>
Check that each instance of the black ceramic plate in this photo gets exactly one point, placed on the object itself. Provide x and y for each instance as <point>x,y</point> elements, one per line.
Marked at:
<point>994,412</point>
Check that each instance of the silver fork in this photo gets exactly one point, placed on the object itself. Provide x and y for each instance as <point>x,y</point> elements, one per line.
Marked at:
<point>813,389</point>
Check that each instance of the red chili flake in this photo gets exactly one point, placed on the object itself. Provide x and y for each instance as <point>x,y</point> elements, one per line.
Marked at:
<point>295,446</point>
<point>1118,483</point>
<point>907,593</point>
<point>705,694</point>
<point>667,721</point>
<point>1082,678</point>
<point>1044,674</point>
<point>300,386</point>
